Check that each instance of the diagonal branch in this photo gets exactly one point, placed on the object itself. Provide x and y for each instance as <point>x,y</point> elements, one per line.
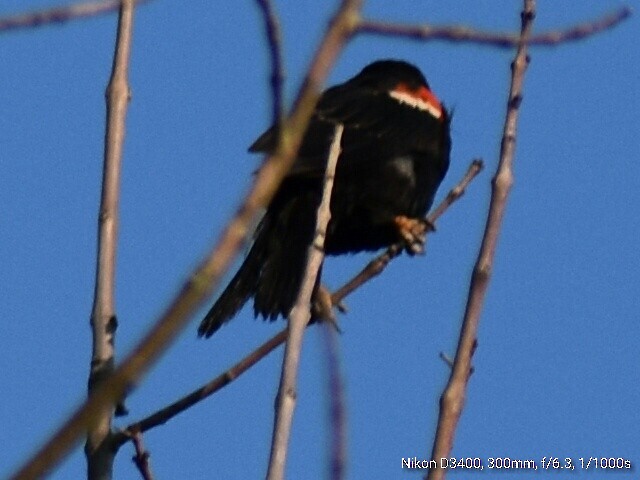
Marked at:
<point>208,274</point>
<point>453,397</point>
<point>460,34</point>
<point>61,14</point>
<point>297,322</point>
<point>167,413</point>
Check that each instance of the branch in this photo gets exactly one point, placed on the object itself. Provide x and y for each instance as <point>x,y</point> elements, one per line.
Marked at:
<point>297,322</point>
<point>98,451</point>
<point>141,458</point>
<point>274,40</point>
<point>453,397</point>
<point>96,421</point>
<point>208,274</point>
<point>167,413</point>
<point>164,415</point>
<point>338,412</point>
<point>459,34</point>
<point>60,14</point>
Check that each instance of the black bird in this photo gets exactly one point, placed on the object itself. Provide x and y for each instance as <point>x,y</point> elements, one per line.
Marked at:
<point>395,153</point>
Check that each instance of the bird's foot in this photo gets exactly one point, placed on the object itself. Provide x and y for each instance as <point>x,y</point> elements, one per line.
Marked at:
<point>322,307</point>
<point>413,232</point>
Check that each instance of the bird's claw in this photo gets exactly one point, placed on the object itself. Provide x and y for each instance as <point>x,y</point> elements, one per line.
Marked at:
<point>413,232</point>
<point>322,307</point>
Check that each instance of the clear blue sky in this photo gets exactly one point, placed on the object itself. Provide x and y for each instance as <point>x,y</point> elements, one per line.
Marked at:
<point>557,369</point>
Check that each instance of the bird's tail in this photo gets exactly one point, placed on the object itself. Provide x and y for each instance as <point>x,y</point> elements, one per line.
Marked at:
<point>272,271</point>
<point>241,288</point>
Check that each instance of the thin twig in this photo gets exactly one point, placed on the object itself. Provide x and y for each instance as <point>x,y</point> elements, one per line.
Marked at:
<point>60,14</point>
<point>208,274</point>
<point>297,322</point>
<point>141,458</point>
<point>167,413</point>
<point>453,397</point>
<point>338,414</point>
<point>274,41</point>
<point>461,34</point>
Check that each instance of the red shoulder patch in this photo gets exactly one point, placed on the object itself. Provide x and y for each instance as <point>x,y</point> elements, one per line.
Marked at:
<point>421,98</point>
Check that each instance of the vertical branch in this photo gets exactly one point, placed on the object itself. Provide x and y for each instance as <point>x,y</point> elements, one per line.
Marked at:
<point>338,415</point>
<point>453,397</point>
<point>274,40</point>
<point>103,317</point>
<point>298,319</point>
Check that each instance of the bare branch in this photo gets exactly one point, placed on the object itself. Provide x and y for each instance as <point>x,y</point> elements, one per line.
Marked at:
<point>167,413</point>
<point>582,30</point>
<point>297,322</point>
<point>164,415</point>
<point>96,421</point>
<point>338,413</point>
<point>274,40</point>
<point>98,451</point>
<point>460,34</point>
<point>453,397</point>
<point>60,14</point>
<point>207,275</point>
<point>141,458</point>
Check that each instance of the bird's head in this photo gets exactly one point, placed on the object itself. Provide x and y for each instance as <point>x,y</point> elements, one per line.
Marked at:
<point>402,81</point>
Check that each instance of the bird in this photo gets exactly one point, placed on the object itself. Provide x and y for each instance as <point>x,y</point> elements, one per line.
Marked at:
<point>395,152</point>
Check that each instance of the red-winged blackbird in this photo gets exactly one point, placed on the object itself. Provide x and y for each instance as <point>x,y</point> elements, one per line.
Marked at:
<point>395,153</point>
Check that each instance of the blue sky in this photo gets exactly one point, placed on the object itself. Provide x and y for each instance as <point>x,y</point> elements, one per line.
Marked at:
<point>557,371</point>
